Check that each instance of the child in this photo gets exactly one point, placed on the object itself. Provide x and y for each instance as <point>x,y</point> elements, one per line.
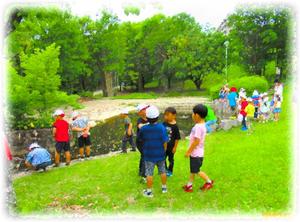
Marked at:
<point>232,97</point>
<point>210,119</point>
<point>60,133</point>
<point>174,137</point>
<point>250,110</point>
<point>154,137</point>
<point>142,121</point>
<point>277,107</point>
<point>38,158</point>
<point>255,98</point>
<point>81,126</point>
<point>243,113</point>
<point>196,149</point>
<point>264,108</point>
<point>128,135</point>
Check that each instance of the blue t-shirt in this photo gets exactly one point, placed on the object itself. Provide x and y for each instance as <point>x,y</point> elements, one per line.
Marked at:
<point>38,156</point>
<point>153,136</point>
<point>232,98</point>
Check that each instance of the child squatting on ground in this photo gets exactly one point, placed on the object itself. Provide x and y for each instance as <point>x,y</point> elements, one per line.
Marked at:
<point>128,135</point>
<point>174,137</point>
<point>38,158</point>
<point>81,126</point>
<point>60,133</point>
<point>154,137</point>
<point>196,149</point>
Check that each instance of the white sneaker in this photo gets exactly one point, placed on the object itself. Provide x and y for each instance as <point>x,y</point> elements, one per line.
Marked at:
<point>147,194</point>
<point>164,190</point>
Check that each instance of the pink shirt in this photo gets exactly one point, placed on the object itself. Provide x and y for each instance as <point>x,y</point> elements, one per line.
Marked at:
<point>198,131</point>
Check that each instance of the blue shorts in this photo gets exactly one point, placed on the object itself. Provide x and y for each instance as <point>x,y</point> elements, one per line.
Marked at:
<point>277,110</point>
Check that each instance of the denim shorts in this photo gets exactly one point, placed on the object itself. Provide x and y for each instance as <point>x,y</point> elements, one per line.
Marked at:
<point>150,167</point>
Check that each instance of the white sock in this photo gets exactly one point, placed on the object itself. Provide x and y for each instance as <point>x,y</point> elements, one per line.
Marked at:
<point>164,186</point>
<point>208,181</point>
<point>190,184</point>
<point>149,190</point>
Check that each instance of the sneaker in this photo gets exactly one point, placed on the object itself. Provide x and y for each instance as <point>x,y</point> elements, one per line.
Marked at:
<point>123,152</point>
<point>81,158</point>
<point>187,188</point>
<point>147,194</point>
<point>133,150</point>
<point>244,128</point>
<point>207,186</point>
<point>164,190</point>
<point>169,173</point>
<point>67,164</point>
<point>40,170</point>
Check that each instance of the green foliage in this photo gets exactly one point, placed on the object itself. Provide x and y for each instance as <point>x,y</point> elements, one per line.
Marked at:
<point>213,79</point>
<point>131,10</point>
<point>33,96</point>
<point>270,72</point>
<point>152,84</point>
<point>148,95</point>
<point>236,71</point>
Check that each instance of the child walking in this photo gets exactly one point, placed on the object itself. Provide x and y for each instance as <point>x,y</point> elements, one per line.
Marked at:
<point>155,138</point>
<point>60,133</point>
<point>243,113</point>
<point>128,135</point>
<point>250,110</point>
<point>277,107</point>
<point>174,137</point>
<point>196,149</point>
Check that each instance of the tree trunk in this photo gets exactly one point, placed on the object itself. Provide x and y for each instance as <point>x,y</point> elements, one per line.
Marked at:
<point>107,86</point>
<point>198,83</point>
<point>141,83</point>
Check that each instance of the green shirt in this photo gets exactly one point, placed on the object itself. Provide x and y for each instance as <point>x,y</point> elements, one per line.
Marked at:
<point>210,114</point>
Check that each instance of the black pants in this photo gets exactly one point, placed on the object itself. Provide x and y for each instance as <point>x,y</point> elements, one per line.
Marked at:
<point>126,139</point>
<point>170,156</point>
<point>43,165</point>
<point>256,112</point>
<point>244,122</point>
<point>142,161</point>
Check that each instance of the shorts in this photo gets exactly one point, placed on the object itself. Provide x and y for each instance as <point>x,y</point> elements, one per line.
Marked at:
<point>42,165</point>
<point>277,110</point>
<point>195,164</point>
<point>84,141</point>
<point>149,166</point>
<point>232,108</point>
<point>62,146</point>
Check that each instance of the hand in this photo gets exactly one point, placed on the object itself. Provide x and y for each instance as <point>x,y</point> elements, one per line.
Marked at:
<point>174,150</point>
<point>129,133</point>
<point>187,154</point>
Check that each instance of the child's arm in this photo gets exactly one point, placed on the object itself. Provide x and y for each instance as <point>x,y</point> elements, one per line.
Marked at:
<point>53,132</point>
<point>78,129</point>
<point>193,145</point>
<point>129,130</point>
<point>165,146</point>
<point>175,146</point>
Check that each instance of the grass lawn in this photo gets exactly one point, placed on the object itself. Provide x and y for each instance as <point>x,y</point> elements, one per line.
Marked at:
<point>252,174</point>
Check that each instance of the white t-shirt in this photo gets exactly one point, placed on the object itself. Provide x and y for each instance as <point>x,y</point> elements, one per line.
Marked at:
<point>279,90</point>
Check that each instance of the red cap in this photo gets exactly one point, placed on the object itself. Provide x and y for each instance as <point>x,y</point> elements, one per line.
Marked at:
<point>233,89</point>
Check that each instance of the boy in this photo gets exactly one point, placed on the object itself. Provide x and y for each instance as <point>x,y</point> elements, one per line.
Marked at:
<point>243,113</point>
<point>277,107</point>
<point>210,119</point>
<point>81,126</point>
<point>250,110</point>
<point>128,135</point>
<point>142,121</point>
<point>174,137</point>
<point>232,97</point>
<point>155,138</point>
<point>38,158</point>
<point>256,98</point>
<point>60,133</point>
<point>196,149</point>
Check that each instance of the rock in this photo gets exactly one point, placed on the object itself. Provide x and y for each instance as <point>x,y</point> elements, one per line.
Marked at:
<point>227,124</point>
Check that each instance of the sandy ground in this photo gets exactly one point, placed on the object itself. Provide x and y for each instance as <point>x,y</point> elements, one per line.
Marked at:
<point>99,110</point>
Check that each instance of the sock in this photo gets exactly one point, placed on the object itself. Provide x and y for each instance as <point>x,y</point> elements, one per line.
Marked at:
<point>164,186</point>
<point>149,190</point>
<point>208,181</point>
<point>189,184</point>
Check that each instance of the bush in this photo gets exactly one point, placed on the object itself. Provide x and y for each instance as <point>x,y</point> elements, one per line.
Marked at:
<point>153,84</point>
<point>236,71</point>
<point>211,79</point>
<point>250,83</point>
<point>189,85</point>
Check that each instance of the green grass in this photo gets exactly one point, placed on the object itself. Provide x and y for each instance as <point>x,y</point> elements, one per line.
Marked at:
<point>137,95</point>
<point>252,175</point>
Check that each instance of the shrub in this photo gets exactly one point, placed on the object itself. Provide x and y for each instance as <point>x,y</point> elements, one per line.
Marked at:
<point>189,85</point>
<point>211,79</point>
<point>236,71</point>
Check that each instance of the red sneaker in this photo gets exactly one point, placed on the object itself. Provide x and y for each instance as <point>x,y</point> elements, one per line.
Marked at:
<point>187,188</point>
<point>207,186</point>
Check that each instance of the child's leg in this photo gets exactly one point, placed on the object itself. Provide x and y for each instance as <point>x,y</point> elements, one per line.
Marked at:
<point>81,152</point>
<point>131,141</point>
<point>124,143</point>
<point>57,158</point>
<point>171,162</point>
<point>149,182</point>
<point>68,157</point>
<point>88,151</point>
<point>204,176</point>
<point>191,179</point>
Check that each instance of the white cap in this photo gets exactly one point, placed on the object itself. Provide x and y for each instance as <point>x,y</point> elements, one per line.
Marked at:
<point>124,111</point>
<point>33,145</point>
<point>243,95</point>
<point>152,112</point>
<point>75,114</point>
<point>58,112</point>
<point>140,107</point>
<point>255,93</point>
<point>249,99</point>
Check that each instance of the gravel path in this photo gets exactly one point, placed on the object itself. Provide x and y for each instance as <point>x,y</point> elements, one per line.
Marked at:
<point>99,110</point>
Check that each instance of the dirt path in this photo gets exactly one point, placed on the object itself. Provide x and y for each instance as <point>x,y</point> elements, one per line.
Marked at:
<point>99,110</point>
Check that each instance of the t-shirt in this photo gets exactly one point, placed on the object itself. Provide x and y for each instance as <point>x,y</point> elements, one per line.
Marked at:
<point>80,122</point>
<point>153,137</point>
<point>38,156</point>
<point>232,96</point>
<point>279,90</point>
<point>62,130</point>
<point>278,104</point>
<point>198,131</point>
<point>210,114</point>
<point>127,122</point>
<point>173,134</point>
<point>243,107</point>
<point>250,110</point>
<point>139,121</point>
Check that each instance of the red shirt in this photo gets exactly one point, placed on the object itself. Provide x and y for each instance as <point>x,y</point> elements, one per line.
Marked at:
<point>244,104</point>
<point>62,130</point>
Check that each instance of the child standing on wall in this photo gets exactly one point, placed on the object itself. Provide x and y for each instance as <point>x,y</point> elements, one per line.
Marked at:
<point>60,133</point>
<point>81,126</point>
<point>174,137</point>
<point>128,135</point>
<point>155,138</point>
<point>196,149</point>
<point>232,98</point>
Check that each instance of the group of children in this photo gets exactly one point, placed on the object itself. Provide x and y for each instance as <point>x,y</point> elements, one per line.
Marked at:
<point>157,142</point>
<point>255,107</point>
